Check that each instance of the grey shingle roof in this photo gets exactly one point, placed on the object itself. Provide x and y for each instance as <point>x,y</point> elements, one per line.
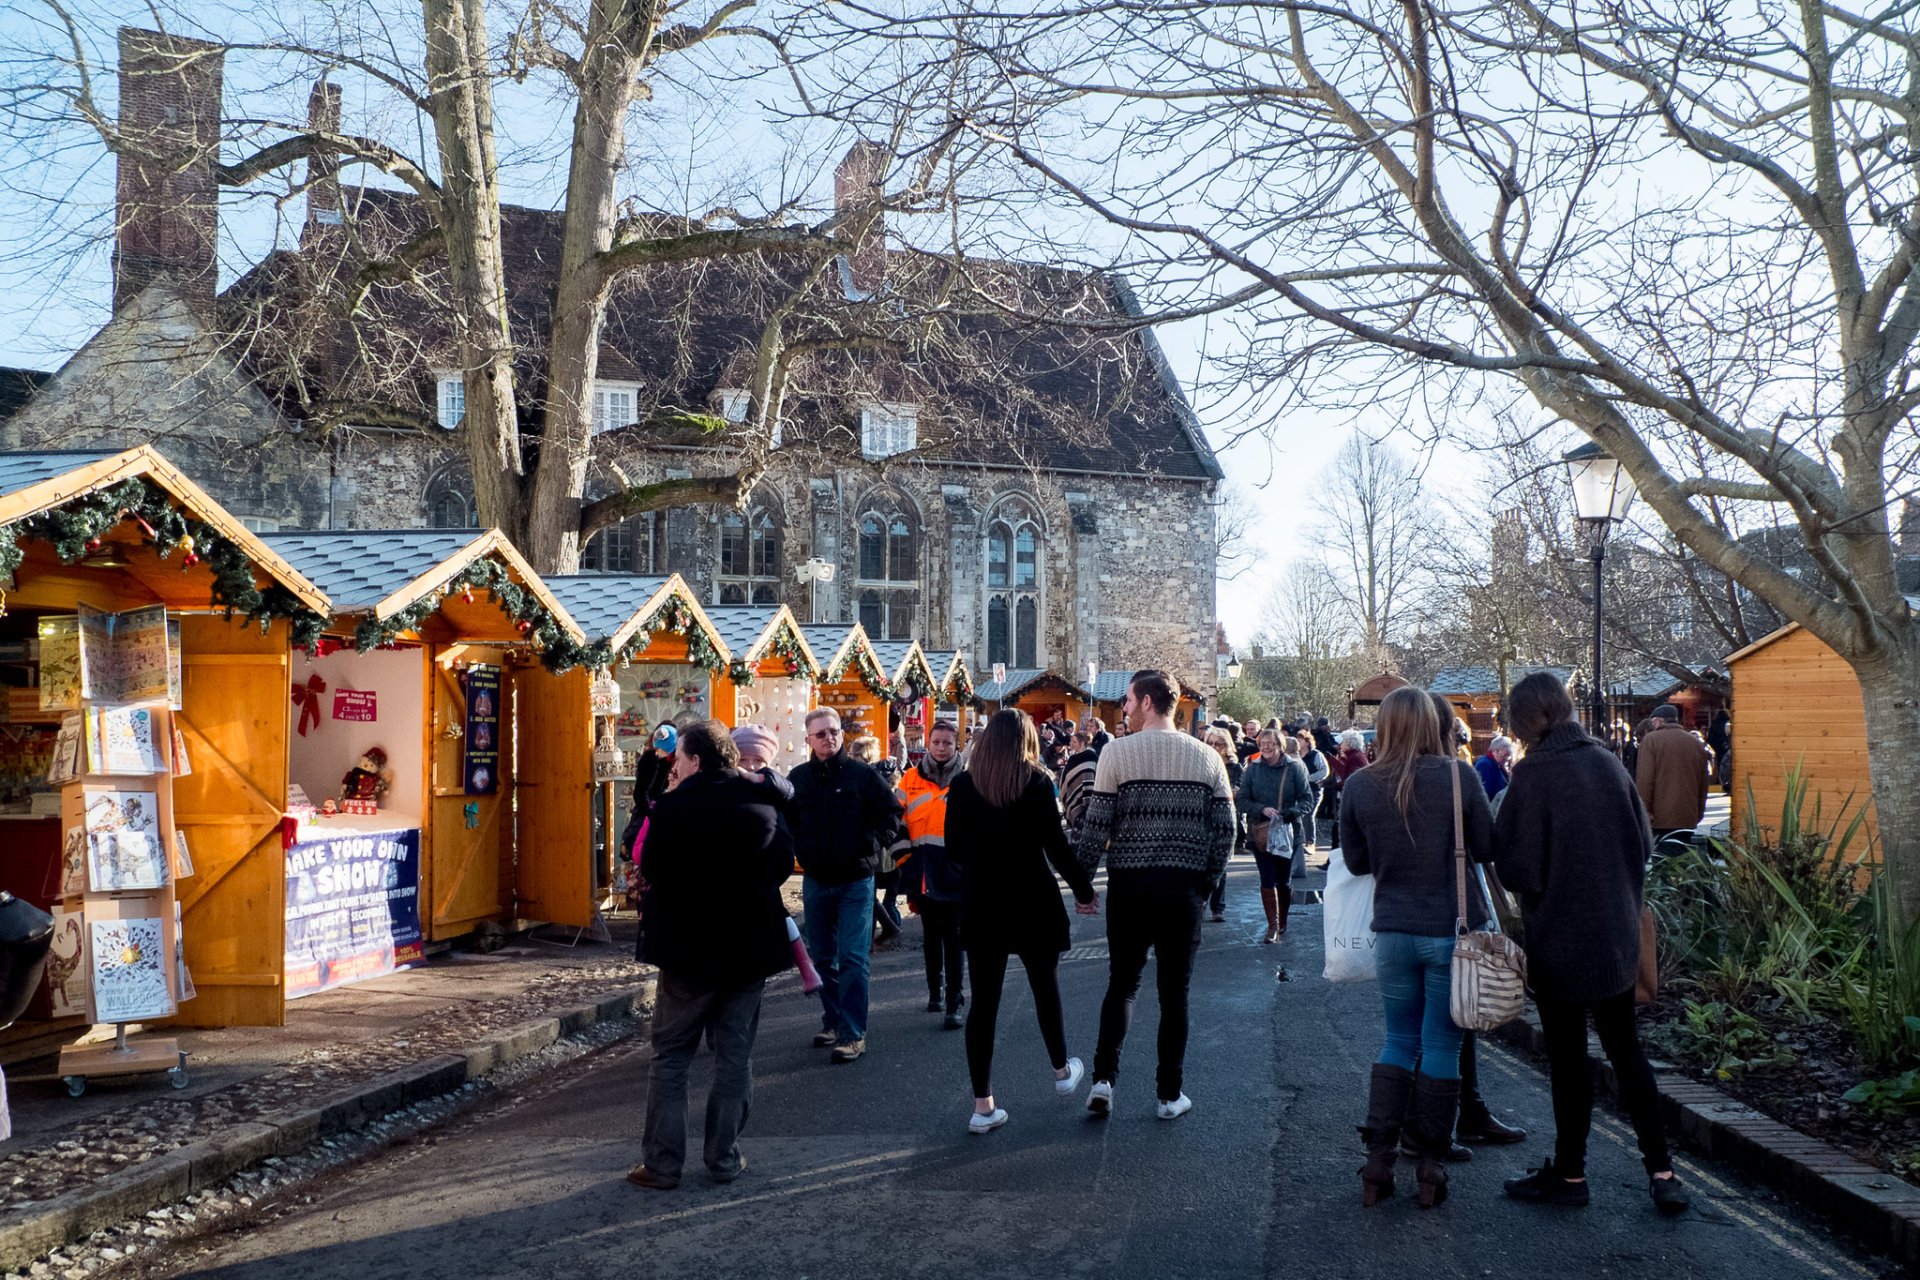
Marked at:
<point>18,470</point>
<point>1111,686</point>
<point>825,638</point>
<point>602,603</point>
<point>891,654</point>
<point>1463,681</point>
<point>741,626</point>
<point>1017,680</point>
<point>360,568</point>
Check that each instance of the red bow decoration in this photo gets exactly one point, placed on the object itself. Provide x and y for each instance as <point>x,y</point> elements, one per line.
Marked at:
<point>307,698</point>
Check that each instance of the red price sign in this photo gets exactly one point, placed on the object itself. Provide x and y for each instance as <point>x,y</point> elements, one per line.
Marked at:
<point>355,705</point>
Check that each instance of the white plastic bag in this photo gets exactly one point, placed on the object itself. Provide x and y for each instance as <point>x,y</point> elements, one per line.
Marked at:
<point>1349,924</point>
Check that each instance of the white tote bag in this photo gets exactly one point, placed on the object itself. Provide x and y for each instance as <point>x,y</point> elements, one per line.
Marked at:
<point>1349,924</point>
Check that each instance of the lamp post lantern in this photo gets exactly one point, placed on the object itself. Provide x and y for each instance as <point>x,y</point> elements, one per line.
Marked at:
<point>814,571</point>
<point>1233,666</point>
<point>1602,491</point>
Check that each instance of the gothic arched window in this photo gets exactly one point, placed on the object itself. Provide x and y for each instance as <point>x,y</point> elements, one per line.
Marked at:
<point>888,596</point>
<point>750,557</point>
<point>1015,545</point>
<point>449,500</point>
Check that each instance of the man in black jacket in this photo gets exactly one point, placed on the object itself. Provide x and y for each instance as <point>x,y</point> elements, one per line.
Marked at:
<point>844,818</point>
<point>717,853</point>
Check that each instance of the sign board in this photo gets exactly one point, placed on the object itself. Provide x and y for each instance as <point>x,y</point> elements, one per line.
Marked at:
<point>353,908</point>
<point>358,705</point>
<point>481,765</point>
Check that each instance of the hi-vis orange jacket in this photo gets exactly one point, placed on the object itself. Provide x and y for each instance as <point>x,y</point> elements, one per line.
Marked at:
<point>926,810</point>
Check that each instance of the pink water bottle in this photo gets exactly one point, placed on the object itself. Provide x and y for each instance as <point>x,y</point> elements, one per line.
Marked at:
<point>809,976</point>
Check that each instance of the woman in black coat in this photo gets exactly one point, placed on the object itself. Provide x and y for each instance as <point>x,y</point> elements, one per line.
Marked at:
<point>717,852</point>
<point>1003,829</point>
<point>1572,840</point>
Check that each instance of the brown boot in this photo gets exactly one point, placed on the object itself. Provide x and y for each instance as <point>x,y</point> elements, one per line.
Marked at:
<point>1270,903</point>
<point>1389,1097</point>
<point>1282,901</point>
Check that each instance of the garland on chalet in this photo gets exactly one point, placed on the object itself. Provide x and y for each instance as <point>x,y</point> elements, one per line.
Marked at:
<point>959,690</point>
<point>81,525</point>
<point>675,616</point>
<point>869,672</point>
<point>529,614</point>
<point>785,645</point>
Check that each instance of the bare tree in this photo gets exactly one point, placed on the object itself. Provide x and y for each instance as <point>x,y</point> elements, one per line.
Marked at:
<point>1421,203</point>
<point>1310,651</point>
<point>1379,530</point>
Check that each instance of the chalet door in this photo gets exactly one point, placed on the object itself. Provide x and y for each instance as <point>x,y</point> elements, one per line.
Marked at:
<point>469,866</point>
<point>234,718</point>
<point>554,797</point>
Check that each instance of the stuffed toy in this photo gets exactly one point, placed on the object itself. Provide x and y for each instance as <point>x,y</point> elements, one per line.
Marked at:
<point>370,779</point>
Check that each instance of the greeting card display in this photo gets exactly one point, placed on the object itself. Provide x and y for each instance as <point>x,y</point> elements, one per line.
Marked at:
<point>59,664</point>
<point>73,862</point>
<point>123,656</point>
<point>66,963</point>
<point>124,740</point>
<point>129,963</point>
<point>69,754</point>
<point>124,847</point>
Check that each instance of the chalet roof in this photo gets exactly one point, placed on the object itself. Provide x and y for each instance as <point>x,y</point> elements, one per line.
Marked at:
<point>381,572</point>
<point>43,480</point>
<point>1468,680</point>
<point>1020,680</point>
<point>749,629</point>
<point>1054,398</point>
<point>1111,686</point>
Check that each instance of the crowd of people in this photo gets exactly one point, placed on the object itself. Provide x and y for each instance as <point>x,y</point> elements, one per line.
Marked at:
<point>979,841</point>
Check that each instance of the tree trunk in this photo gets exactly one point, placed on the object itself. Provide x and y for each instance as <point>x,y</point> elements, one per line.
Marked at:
<point>1890,688</point>
<point>608,67</point>
<point>461,98</point>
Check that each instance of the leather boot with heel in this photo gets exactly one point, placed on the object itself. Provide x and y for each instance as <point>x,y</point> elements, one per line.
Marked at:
<point>1270,903</point>
<point>1436,1103</point>
<point>1389,1095</point>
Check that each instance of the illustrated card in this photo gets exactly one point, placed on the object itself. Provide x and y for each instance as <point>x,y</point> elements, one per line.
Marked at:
<point>124,846</point>
<point>129,961</point>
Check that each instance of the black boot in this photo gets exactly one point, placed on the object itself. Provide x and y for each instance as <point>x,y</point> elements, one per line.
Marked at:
<point>1389,1095</point>
<point>1435,1104</point>
<point>1477,1124</point>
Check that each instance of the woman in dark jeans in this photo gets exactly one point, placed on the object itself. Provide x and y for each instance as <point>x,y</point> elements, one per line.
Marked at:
<point>1004,832</point>
<point>1269,783</point>
<point>1572,840</point>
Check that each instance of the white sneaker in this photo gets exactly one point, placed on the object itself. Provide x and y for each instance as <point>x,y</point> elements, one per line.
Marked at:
<point>1072,1081</point>
<point>1100,1097</point>
<point>1175,1109</point>
<point>978,1123</point>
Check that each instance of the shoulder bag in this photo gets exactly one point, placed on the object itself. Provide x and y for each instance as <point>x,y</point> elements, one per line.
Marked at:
<point>1489,969</point>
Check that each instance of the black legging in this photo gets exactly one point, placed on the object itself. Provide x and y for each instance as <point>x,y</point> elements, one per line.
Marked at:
<point>1564,1028</point>
<point>989,974</point>
<point>940,945</point>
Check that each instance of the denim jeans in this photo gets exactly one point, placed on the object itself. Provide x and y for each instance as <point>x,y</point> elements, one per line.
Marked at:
<point>682,1012</point>
<point>1416,986</point>
<point>840,938</point>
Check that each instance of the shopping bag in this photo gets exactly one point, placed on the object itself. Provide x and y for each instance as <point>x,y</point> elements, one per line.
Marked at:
<point>1349,924</point>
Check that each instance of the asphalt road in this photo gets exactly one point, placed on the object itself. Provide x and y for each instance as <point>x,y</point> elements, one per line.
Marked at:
<point>867,1170</point>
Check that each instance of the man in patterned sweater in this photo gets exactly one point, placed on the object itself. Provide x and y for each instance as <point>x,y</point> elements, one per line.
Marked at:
<point>1161,813</point>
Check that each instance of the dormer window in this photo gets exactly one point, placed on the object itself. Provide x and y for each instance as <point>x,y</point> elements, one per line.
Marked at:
<point>452,401</point>
<point>889,428</point>
<point>615,405</point>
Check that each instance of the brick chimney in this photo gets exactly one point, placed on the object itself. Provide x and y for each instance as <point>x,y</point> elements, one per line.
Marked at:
<point>323,171</point>
<point>167,219</point>
<point>858,181</point>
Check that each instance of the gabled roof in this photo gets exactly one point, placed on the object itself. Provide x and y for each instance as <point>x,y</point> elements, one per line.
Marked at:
<point>618,607</point>
<point>1023,679</point>
<point>899,658</point>
<point>1111,686</point>
<point>836,645</point>
<point>948,666</point>
<point>40,481</point>
<point>750,631</point>
<point>382,572</point>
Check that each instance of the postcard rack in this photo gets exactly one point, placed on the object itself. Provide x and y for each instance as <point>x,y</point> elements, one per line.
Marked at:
<point>121,851</point>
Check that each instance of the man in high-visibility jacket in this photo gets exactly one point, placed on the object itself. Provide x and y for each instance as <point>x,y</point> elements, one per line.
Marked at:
<point>932,880</point>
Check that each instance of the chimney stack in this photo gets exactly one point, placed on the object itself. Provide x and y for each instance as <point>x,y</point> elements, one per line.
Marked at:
<point>323,170</point>
<point>167,216</point>
<point>858,182</point>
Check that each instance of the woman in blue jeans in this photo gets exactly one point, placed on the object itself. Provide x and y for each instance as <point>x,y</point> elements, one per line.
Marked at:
<point>1396,824</point>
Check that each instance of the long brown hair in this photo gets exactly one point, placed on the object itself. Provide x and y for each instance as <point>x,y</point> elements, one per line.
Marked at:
<point>1407,728</point>
<point>1006,755</point>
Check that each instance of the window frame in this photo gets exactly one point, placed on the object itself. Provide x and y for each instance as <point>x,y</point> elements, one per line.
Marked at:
<point>449,387</point>
<point>603,393</point>
<point>888,428</point>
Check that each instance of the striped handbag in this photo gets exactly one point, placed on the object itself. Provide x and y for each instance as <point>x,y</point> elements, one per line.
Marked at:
<point>1489,968</point>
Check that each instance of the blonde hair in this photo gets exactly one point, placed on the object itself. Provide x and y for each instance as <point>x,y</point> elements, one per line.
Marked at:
<point>865,749</point>
<point>1220,741</point>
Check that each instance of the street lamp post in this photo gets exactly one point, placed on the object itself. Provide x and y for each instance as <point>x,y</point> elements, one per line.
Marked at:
<point>1602,490</point>
<point>814,571</point>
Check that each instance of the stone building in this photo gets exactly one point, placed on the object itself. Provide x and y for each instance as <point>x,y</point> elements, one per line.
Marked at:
<point>1060,517</point>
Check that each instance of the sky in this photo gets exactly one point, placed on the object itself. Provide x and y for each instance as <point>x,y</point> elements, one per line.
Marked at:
<point>55,273</point>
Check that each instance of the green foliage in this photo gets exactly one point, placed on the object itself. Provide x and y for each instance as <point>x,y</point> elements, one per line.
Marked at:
<point>1722,1039</point>
<point>1241,701</point>
<point>1891,1096</point>
<point>1795,920</point>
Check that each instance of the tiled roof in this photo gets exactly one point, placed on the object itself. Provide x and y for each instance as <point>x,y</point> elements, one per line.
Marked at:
<point>1019,680</point>
<point>18,470</point>
<point>1009,394</point>
<point>742,626</point>
<point>826,639</point>
<point>892,653</point>
<point>1464,681</point>
<point>1111,686</point>
<point>602,603</point>
<point>17,387</point>
<point>360,568</point>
